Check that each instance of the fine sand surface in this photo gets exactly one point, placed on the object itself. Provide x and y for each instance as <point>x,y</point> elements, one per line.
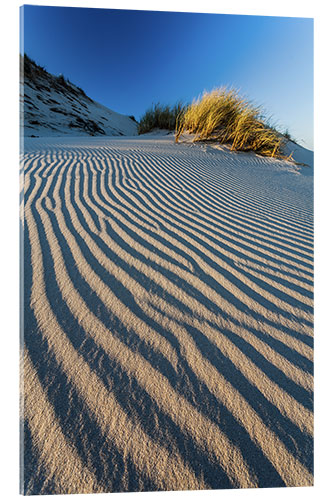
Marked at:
<point>168,317</point>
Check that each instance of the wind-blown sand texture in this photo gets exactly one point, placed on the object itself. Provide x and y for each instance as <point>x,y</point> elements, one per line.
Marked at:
<point>167,317</point>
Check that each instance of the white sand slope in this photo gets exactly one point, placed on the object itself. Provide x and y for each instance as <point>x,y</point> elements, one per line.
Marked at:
<point>168,317</point>
<point>53,106</point>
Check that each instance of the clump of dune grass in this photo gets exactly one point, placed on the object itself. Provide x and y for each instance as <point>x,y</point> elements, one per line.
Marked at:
<point>30,68</point>
<point>222,115</point>
<point>160,116</point>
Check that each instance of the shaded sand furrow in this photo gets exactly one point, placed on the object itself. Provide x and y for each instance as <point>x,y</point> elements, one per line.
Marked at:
<point>37,163</point>
<point>195,200</point>
<point>287,460</point>
<point>102,292</point>
<point>279,275</point>
<point>187,276</point>
<point>118,308</point>
<point>191,181</point>
<point>54,161</point>
<point>39,175</point>
<point>233,223</point>
<point>298,296</point>
<point>152,200</point>
<point>284,462</point>
<point>204,288</point>
<point>198,240</point>
<point>255,196</point>
<point>169,472</point>
<point>229,203</point>
<point>218,232</point>
<point>290,370</point>
<point>129,318</point>
<point>166,470</point>
<point>28,162</point>
<point>234,244</point>
<point>286,404</point>
<point>192,280</point>
<point>65,468</point>
<point>143,296</point>
<point>198,261</point>
<point>143,172</point>
<point>132,214</point>
<point>157,277</point>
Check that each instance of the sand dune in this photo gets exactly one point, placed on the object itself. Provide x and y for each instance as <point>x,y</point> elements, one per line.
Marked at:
<point>168,317</point>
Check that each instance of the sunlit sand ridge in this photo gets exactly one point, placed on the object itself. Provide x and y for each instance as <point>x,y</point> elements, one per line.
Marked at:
<point>168,317</point>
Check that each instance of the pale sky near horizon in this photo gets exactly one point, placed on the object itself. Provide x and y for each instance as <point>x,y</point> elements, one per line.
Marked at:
<point>128,60</point>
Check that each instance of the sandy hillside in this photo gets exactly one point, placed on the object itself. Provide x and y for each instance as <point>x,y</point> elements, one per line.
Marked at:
<point>168,317</point>
<point>53,106</point>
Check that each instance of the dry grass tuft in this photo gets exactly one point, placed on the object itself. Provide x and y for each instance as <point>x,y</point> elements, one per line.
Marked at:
<point>223,115</point>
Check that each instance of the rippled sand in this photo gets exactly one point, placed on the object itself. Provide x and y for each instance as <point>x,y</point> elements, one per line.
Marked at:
<point>168,317</point>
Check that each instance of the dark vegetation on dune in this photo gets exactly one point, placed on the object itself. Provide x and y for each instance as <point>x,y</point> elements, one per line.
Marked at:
<point>160,116</point>
<point>32,72</point>
<point>67,107</point>
<point>45,84</point>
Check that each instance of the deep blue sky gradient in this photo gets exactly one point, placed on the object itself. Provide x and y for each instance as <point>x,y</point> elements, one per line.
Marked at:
<point>127,60</point>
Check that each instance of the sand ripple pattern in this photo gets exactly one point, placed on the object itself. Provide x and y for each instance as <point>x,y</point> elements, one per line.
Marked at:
<point>168,314</point>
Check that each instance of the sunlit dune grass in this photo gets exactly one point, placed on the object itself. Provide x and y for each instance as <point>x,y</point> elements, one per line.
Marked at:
<point>168,317</point>
<point>226,117</point>
<point>222,116</point>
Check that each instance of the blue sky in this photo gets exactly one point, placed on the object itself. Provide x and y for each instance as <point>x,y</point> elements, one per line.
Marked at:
<point>127,60</point>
